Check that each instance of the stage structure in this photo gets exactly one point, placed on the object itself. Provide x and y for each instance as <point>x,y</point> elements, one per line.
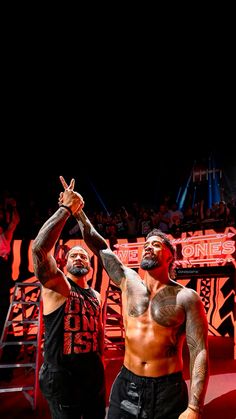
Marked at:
<point>205,183</point>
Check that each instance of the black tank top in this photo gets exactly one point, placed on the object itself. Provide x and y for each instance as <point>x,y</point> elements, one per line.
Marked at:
<point>72,329</point>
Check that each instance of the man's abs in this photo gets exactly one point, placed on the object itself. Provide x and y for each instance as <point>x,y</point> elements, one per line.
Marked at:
<point>153,352</point>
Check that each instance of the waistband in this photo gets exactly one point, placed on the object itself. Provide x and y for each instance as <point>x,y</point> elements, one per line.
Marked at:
<point>138,379</point>
<point>74,360</point>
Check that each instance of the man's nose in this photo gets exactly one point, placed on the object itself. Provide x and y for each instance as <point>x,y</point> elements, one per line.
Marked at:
<point>78,257</point>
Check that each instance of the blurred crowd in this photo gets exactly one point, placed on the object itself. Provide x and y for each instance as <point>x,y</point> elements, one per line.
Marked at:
<point>129,221</point>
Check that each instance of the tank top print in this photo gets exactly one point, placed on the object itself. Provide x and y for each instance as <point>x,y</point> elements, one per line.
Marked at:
<point>81,320</point>
<point>72,328</point>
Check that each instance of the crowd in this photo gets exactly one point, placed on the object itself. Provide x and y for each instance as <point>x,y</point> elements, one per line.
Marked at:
<point>129,221</point>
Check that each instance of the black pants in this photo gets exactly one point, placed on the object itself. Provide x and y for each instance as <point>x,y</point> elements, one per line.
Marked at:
<point>133,396</point>
<point>75,392</point>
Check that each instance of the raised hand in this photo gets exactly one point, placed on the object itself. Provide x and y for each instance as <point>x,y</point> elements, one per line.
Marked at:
<point>69,197</point>
<point>65,185</point>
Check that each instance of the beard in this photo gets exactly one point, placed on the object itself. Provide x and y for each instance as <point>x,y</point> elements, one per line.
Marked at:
<point>148,264</point>
<point>78,271</point>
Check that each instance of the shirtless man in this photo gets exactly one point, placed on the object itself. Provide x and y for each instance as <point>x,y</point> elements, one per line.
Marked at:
<point>158,314</point>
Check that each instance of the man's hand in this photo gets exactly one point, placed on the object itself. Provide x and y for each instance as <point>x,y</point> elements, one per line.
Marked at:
<point>190,414</point>
<point>69,197</point>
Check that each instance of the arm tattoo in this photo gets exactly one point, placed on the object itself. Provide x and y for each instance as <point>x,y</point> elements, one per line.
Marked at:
<point>51,230</point>
<point>196,335</point>
<point>44,264</point>
<point>112,265</point>
<point>92,238</point>
<point>100,248</point>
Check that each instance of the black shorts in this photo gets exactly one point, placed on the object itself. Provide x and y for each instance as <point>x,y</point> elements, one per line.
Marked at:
<point>133,396</point>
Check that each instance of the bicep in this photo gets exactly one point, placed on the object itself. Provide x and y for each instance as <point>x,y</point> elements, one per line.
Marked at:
<point>113,266</point>
<point>196,324</point>
<point>47,272</point>
<point>44,264</point>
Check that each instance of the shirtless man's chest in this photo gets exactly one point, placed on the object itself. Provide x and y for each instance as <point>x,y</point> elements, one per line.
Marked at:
<point>162,307</point>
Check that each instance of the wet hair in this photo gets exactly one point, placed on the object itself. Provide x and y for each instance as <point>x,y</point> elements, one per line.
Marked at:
<point>165,239</point>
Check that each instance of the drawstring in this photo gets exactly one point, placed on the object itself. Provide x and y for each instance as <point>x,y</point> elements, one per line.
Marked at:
<point>140,401</point>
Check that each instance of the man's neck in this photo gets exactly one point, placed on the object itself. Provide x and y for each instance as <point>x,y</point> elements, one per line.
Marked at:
<point>156,279</point>
<point>81,281</point>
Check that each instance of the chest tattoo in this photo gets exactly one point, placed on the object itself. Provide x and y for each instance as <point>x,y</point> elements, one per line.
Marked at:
<point>163,306</point>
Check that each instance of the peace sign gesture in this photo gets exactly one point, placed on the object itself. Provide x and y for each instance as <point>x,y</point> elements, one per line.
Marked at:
<point>69,198</point>
<point>65,185</point>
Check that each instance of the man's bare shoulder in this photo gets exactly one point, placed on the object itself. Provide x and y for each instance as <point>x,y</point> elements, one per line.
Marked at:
<point>187,296</point>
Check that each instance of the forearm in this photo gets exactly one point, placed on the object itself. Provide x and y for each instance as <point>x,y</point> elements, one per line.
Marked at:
<point>199,376</point>
<point>197,340</point>
<point>99,246</point>
<point>51,230</point>
<point>90,235</point>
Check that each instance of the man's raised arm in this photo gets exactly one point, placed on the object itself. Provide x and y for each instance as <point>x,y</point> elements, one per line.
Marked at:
<point>45,266</point>
<point>112,264</point>
<point>90,235</point>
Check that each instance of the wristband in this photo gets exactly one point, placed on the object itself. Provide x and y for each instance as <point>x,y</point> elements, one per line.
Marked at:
<point>66,207</point>
<point>195,409</point>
